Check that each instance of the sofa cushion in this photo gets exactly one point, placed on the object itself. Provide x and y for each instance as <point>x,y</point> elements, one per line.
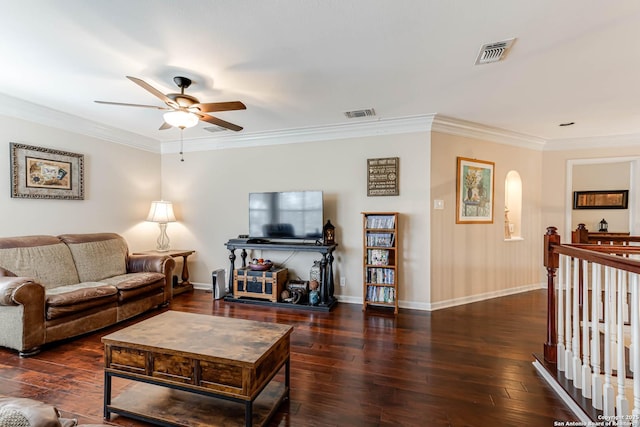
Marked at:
<point>97,256</point>
<point>134,284</point>
<point>46,258</point>
<point>66,300</point>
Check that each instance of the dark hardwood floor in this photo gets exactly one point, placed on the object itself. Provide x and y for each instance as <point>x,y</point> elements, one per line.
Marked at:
<point>464,366</point>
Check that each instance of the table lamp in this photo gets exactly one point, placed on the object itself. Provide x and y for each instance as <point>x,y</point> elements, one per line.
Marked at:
<point>162,212</point>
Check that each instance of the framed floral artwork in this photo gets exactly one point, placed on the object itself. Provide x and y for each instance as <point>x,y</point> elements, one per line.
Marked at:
<point>45,173</point>
<point>474,191</point>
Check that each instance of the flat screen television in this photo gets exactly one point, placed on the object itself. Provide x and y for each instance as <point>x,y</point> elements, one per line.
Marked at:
<point>286,215</point>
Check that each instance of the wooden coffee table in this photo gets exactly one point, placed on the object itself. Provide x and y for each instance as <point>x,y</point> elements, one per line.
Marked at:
<point>198,370</point>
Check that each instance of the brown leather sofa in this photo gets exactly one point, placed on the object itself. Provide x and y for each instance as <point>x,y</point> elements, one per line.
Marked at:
<point>57,287</point>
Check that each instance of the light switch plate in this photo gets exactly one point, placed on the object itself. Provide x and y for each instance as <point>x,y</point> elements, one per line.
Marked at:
<point>438,204</point>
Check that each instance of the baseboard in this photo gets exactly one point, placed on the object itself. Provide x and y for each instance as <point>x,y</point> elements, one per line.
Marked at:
<point>562,394</point>
<point>481,297</point>
<point>412,305</point>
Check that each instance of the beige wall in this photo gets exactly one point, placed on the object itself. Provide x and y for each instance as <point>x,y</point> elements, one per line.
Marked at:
<point>601,176</point>
<point>210,191</point>
<point>557,203</point>
<point>473,261</point>
<point>443,263</point>
<point>119,184</point>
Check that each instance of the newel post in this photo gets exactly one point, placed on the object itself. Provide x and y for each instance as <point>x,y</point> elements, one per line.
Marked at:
<point>580,235</point>
<point>551,262</point>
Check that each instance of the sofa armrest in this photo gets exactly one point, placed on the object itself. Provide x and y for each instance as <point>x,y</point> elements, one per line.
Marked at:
<point>30,294</point>
<point>10,286</point>
<point>138,263</point>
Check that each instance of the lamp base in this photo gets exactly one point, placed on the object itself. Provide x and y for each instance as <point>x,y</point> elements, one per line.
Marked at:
<point>163,239</point>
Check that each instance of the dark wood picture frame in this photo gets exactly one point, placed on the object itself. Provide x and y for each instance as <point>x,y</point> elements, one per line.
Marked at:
<point>606,199</point>
<point>382,176</point>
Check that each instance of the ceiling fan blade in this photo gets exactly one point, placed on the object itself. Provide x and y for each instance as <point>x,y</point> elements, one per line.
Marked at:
<point>210,107</point>
<point>219,122</point>
<point>165,126</point>
<point>170,102</point>
<point>133,105</point>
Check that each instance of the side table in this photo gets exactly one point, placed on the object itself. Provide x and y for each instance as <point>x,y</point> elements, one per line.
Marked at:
<point>185,285</point>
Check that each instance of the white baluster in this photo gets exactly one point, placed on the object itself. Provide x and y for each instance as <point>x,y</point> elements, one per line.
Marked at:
<point>635,339</point>
<point>568,355</point>
<point>608,402</point>
<point>586,371</point>
<point>560,307</point>
<point>596,380</point>
<point>575,342</point>
<point>622,405</point>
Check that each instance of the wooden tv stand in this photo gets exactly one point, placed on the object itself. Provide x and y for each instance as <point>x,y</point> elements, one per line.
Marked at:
<point>327,284</point>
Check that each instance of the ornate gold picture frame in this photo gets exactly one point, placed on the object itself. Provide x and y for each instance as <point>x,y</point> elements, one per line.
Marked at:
<point>45,173</point>
<point>474,191</point>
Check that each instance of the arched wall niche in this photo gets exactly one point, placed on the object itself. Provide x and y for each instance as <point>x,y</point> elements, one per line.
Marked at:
<point>513,206</point>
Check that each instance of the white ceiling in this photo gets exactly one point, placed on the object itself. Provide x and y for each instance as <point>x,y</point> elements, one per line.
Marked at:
<point>300,64</point>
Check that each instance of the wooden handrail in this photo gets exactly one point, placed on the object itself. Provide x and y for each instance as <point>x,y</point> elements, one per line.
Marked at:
<point>614,256</point>
<point>599,255</point>
<point>582,235</point>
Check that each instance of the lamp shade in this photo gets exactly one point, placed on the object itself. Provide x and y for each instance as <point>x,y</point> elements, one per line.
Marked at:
<point>181,119</point>
<point>161,211</point>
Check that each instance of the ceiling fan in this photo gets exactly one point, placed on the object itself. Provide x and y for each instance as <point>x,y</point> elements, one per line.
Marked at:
<point>184,110</point>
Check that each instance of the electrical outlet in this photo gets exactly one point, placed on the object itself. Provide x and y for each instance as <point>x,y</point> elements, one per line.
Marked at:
<point>343,282</point>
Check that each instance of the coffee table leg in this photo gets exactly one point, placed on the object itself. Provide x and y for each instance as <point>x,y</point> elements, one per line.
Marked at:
<point>107,394</point>
<point>248,414</point>
<point>287,376</point>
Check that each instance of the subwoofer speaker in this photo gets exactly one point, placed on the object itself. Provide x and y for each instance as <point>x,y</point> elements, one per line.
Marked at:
<point>219,284</point>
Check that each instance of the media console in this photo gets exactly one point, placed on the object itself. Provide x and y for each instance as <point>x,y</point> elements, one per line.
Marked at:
<point>327,286</point>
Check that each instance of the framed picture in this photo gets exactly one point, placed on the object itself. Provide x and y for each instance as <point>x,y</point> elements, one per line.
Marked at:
<point>474,191</point>
<point>382,176</point>
<point>614,199</point>
<point>44,173</point>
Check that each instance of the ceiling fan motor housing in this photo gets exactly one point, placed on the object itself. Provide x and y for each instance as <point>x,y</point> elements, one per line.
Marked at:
<point>183,99</point>
<point>182,82</point>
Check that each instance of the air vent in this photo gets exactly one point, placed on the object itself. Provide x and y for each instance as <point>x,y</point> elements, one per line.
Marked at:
<point>367,112</point>
<point>494,52</point>
<point>214,129</point>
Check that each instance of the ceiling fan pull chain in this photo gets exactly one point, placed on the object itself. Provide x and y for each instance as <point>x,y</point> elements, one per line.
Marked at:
<point>181,143</point>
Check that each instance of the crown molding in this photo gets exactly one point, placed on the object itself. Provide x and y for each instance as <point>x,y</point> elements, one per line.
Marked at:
<point>467,129</point>
<point>593,142</point>
<point>18,108</point>
<point>35,113</point>
<point>394,126</point>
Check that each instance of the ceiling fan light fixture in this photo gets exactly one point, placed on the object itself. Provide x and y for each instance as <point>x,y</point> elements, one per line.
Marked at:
<point>181,119</point>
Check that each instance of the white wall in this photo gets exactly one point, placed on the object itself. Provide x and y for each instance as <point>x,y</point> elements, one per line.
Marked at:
<point>120,182</point>
<point>210,194</point>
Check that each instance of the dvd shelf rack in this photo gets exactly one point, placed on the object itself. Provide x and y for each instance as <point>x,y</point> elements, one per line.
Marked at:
<point>380,259</point>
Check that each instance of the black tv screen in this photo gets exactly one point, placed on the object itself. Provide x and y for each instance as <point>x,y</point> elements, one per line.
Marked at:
<point>286,215</point>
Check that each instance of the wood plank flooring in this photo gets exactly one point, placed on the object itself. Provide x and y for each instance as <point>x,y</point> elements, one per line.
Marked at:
<point>464,366</point>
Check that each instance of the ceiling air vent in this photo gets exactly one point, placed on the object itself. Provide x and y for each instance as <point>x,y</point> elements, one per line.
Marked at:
<point>494,52</point>
<point>367,112</point>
